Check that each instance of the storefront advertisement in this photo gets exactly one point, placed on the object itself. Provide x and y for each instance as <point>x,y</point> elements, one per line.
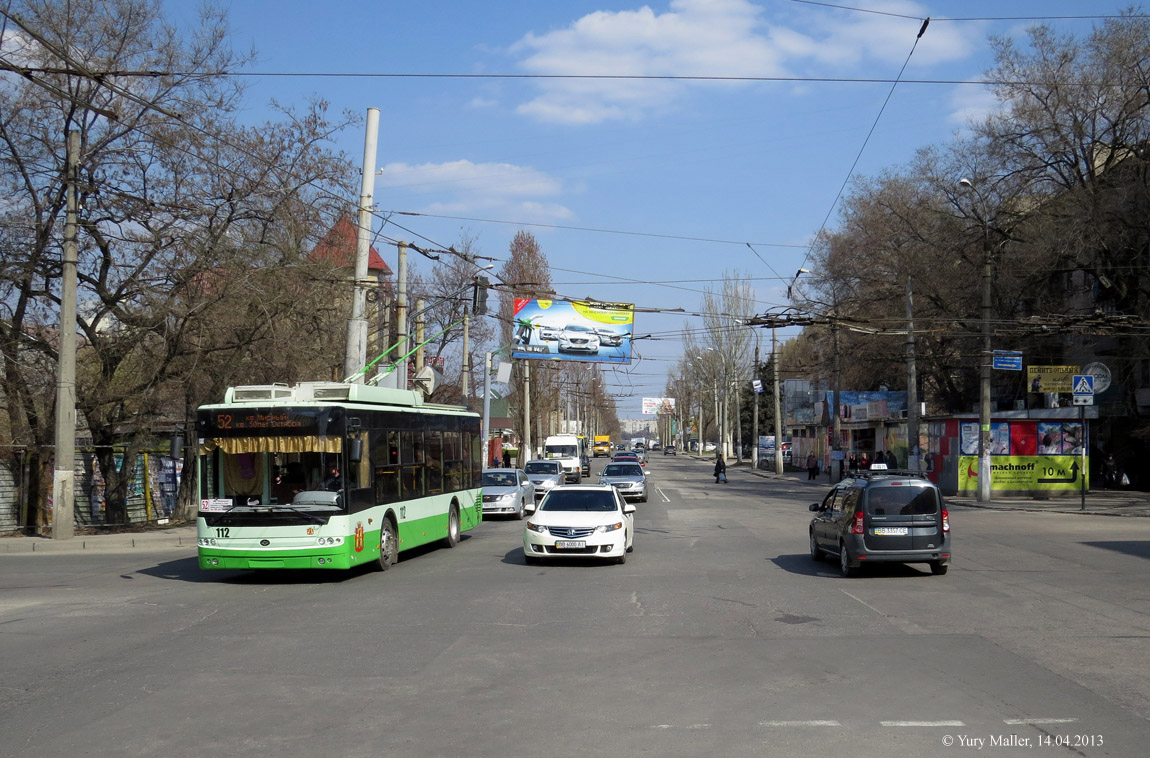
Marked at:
<point>1025,472</point>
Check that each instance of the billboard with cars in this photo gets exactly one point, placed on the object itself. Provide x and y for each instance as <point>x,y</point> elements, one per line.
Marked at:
<point>579,330</point>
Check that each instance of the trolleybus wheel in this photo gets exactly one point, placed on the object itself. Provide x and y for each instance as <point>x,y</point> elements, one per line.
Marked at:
<point>388,544</point>
<point>452,538</point>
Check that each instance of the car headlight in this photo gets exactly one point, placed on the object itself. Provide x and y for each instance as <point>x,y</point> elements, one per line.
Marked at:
<point>538,528</point>
<point>509,496</point>
<point>609,527</point>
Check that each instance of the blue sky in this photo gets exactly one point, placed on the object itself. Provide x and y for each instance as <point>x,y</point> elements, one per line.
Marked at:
<point>724,162</point>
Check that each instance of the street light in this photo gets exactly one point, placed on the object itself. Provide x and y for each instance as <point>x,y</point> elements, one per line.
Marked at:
<point>984,367</point>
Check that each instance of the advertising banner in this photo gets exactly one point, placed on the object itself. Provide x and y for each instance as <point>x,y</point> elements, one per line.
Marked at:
<point>658,405</point>
<point>1024,472</point>
<point>1051,378</point>
<point>573,330</point>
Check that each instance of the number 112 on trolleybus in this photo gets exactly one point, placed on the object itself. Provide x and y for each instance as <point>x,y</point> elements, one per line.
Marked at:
<point>331,476</point>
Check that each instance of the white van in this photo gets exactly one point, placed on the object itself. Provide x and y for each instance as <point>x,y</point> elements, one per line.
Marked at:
<point>568,450</point>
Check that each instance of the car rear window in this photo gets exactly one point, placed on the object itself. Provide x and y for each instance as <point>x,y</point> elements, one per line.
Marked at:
<point>898,500</point>
<point>542,468</point>
<point>562,499</point>
<point>622,469</point>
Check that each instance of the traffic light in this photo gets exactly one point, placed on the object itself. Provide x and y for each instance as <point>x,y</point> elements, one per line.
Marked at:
<point>479,295</point>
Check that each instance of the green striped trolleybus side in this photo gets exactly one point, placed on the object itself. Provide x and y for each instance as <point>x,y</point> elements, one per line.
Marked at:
<point>331,476</point>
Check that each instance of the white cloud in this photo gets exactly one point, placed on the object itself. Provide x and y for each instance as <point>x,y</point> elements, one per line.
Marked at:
<point>971,104</point>
<point>482,102</point>
<point>728,38</point>
<point>463,186</point>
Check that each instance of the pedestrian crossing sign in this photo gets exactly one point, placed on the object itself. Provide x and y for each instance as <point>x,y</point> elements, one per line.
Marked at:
<point>1083,384</point>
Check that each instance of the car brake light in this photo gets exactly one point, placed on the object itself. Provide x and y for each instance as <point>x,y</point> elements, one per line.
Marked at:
<point>945,521</point>
<point>857,528</point>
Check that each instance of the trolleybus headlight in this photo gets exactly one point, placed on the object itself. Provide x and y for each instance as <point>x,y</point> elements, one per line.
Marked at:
<point>331,540</point>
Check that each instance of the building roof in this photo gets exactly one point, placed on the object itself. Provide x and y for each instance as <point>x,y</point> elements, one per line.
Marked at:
<point>338,247</point>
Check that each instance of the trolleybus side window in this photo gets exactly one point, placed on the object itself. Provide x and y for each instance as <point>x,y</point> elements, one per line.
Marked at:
<point>433,467</point>
<point>411,460</point>
<point>385,457</point>
<point>453,460</point>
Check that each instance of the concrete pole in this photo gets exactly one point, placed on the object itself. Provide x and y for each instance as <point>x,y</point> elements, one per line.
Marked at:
<point>912,435</point>
<point>984,380</point>
<point>64,467</point>
<point>419,335</point>
<point>755,411</point>
<point>355,354</point>
<point>486,427</point>
<point>401,315</point>
<point>527,408</point>
<point>836,443</point>
<point>465,377</point>
<point>778,415</point>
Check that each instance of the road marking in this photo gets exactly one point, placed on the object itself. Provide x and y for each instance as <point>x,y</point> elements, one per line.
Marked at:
<point>663,495</point>
<point>921,723</point>
<point>799,723</point>
<point>1022,722</point>
<point>677,726</point>
<point>868,605</point>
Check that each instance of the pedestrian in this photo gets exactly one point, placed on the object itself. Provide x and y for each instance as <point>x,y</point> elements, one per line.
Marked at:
<point>853,463</point>
<point>506,458</point>
<point>891,461</point>
<point>1109,472</point>
<point>878,459</point>
<point>812,467</point>
<point>864,462</point>
<point>720,469</point>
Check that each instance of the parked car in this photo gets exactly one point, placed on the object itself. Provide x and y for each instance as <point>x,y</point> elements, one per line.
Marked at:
<point>545,475</point>
<point>580,521</point>
<point>875,517</point>
<point>577,338</point>
<point>628,478</point>
<point>507,491</point>
<point>669,450</point>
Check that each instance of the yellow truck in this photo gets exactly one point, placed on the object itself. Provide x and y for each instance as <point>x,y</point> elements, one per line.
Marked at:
<point>602,445</point>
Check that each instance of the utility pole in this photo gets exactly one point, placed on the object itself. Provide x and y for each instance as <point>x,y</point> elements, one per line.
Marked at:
<point>527,408</point>
<point>64,467</point>
<point>912,436</point>
<point>401,315</point>
<point>486,428</point>
<point>778,415</point>
<point>419,325</point>
<point>355,354</point>
<point>836,442</point>
<point>755,411</point>
<point>465,378</point>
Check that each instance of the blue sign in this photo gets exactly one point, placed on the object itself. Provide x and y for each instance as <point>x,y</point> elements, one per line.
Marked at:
<point>1008,360</point>
<point>1083,385</point>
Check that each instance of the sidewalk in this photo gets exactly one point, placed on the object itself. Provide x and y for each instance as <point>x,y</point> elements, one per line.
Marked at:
<point>163,538</point>
<point>1098,502</point>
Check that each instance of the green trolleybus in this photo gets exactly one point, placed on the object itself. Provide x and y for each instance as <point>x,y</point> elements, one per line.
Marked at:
<point>330,475</point>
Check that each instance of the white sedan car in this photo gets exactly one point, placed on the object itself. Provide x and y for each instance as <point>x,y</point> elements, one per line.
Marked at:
<point>581,521</point>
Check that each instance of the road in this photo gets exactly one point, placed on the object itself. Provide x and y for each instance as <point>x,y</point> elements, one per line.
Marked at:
<point>719,636</point>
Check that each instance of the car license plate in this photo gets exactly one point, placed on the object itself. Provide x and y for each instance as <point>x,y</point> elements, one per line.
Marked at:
<point>569,544</point>
<point>890,531</point>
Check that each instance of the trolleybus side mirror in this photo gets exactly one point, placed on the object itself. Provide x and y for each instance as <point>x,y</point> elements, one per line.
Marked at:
<point>355,450</point>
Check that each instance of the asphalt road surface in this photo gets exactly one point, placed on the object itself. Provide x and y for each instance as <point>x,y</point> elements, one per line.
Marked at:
<point>719,637</point>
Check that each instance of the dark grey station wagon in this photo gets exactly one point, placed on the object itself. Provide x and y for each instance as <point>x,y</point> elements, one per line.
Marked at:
<point>881,516</point>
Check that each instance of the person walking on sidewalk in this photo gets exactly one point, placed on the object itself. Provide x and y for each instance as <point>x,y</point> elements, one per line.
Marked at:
<point>720,469</point>
<point>812,467</point>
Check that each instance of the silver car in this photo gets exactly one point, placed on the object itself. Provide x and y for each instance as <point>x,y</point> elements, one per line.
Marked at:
<point>545,475</point>
<point>627,478</point>
<point>507,492</point>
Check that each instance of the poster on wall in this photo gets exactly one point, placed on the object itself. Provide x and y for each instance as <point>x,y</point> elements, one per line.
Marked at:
<point>999,438</point>
<point>573,330</point>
